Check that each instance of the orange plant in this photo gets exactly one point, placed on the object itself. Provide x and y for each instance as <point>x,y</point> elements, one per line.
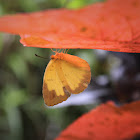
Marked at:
<point>111,25</point>
<point>106,122</point>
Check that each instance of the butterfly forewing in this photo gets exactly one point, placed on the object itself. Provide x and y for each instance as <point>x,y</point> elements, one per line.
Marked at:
<point>53,89</point>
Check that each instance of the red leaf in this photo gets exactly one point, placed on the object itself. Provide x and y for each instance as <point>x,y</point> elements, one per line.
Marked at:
<point>106,122</point>
<point>112,25</point>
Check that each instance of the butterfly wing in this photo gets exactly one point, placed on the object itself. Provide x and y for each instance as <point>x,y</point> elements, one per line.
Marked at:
<point>64,76</point>
<point>54,91</point>
<point>74,73</point>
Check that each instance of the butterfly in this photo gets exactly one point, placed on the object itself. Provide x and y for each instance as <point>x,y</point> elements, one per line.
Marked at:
<point>65,74</point>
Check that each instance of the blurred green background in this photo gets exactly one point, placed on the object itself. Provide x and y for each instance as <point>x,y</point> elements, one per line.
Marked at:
<point>23,114</point>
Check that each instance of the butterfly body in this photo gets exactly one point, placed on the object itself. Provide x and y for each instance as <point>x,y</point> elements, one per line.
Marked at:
<point>65,74</point>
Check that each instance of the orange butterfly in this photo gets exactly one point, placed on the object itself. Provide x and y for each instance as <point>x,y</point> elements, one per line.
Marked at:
<point>65,74</point>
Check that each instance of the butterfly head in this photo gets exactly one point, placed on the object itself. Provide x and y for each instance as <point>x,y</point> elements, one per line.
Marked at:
<point>57,56</point>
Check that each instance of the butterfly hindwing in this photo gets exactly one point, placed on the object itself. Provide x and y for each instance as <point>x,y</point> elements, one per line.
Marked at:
<point>75,77</point>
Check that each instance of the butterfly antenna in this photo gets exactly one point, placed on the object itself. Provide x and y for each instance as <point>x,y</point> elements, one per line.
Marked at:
<point>40,56</point>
